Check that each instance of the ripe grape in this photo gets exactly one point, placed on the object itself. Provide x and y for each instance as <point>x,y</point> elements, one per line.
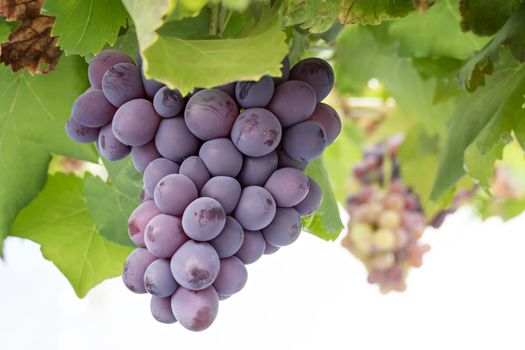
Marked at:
<point>122,83</point>
<point>138,220</point>
<point>226,190</point>
<point>163,235</point>
<point>135,122</point>
<point>195,265</point>
<point>194,168</point>
<point>228,88</point>
<point>155,171</point>
<point>210,114</point>
<point>305,141</point>
<point>256,170</point>
<point>288,186</point>
<point>134,268</point>
<point>221,157</point>
<point>174,140</point>
<point>174,193</point>
<point>103,61</point>
<point>109,146</point>
<point>293,102</point>
<point>286,161</point>
<point>91,109</point>
<point>256,208</point>
<point>168,103</point>
<point>285,72</point>
<point>252,247</point>
<point>270,248</point>
<point>141,156</point>
<point>195,310</point>
<point>254,93</point>
<point>158,279</point>
<point>229,241</point>
<point>203,219</point>
<point>161,309</point>
<point>256,132</point>
<point>232,276</point>
<point>284,229</point>
<point>327,116</point>
<point>312,201</point>
<point>80,133</point>
<point>317,73</point>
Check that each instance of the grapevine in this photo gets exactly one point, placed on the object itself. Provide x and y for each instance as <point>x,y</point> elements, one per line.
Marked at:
<point>173,143</point>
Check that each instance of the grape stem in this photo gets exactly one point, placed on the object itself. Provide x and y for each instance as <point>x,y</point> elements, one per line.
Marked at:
<point>214,19</point>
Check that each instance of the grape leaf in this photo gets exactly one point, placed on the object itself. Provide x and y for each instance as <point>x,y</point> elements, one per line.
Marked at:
<point>486,17</point>
<point>317,16</point>
<point>373,11</point>
<point>110,208</point>
<point>512,35</point>
<point>30,46</point>
<point>110,203</point>
<point>85,26</point>
<point>32,128</point>
<point>484,120</point>
<point>58,219</point>
<point>186,64</point>
<point>435,33</point>
<point>340,158</point>
<point>325,222</point>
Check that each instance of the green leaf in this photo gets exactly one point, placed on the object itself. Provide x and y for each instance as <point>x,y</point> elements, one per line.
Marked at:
<point>58,219</point>
<point>85,26</point>
<point>186,64</point>
<point>484,120</point>
<point>189,63</point>
<point>435,33</point>
<point>317,16</point>
<point>373,11</point>
<point>486,17</point>
<point>111,203</point>
<point>325,222</point>
<point>110,208</point>
<point>35,109</point>
<point>340,158</point>
<point>512,35</point>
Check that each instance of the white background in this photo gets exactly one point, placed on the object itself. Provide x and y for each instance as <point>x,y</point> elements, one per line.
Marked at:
<point>469,294</point>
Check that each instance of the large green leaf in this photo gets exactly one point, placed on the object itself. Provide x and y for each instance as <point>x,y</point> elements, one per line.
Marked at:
<point>325,222</point>
<point>85,26</point>
<point>373,11</point>
<point>435,33</point>
<point>35,109</point>
<point>58,219</point>
<point>512,35</point>
<point>482,120</point>
<point>110,203</point>
<point>189,63</point>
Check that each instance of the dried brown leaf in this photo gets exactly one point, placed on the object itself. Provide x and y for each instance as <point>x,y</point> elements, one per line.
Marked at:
<point>30,46</point>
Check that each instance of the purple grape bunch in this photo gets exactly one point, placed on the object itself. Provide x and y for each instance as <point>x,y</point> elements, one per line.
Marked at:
<point>223,174</point>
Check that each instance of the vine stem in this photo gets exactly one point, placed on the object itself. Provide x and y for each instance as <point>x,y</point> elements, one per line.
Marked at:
<point>214,19</point>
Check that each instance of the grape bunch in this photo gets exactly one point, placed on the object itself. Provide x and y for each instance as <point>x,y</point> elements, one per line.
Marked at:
<point>223,179</point>
<point>386,220</point>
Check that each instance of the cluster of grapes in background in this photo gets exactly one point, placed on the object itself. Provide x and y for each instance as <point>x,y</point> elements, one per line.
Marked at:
<point>223,179</point>
<point>386,219</point>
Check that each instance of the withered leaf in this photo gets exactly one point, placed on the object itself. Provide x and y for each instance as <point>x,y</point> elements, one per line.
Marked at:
<point>30,46</point>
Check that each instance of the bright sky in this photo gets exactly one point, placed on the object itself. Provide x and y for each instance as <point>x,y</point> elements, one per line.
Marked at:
<point>469,294</point>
